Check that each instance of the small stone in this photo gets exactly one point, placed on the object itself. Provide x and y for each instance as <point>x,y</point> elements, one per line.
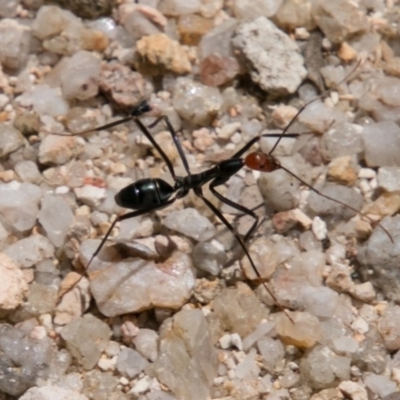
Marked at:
<point>339,278</point>
<point>90,195</point>
<point>345,344</point>
<point>363,291</point>
<point>387,203</point>
<point>218,40</point>
<point>244,10</point>
<point>188,358</point>
<point>318,205</point>
<point>87,10</point>
<point>74,298</point>
<point>56,218</point>
<point>284,221</point>
<point>319,117</point>
<point>294,15</point>
<point>20,357</point>
<point>29,251</point>
<point>321,368</point>
<point>106,364</point>
<point>231,307</point>
<point>390,328</point>
<point>341,170</point>
<point>360,325</point>
<point>236,341</point>
<point>10,140</point>
<point>216,70</point>
<point>283,115</point>
<point>130,363</point>
<point>270,51</point>
<point>19,204</point>
<point>52,392</point>
<point>59,150</point>
<point>28,171</point>
<point>389,178</point>
<point>226,131</point>
<point>340,20</point>
<point>129,331</point>
<point>363,229</point>
<point>381,153</point>
<point>15,40</point>
<point>262,329</point>
<point>45,100</point>
<point>353,389</point>
<point>192,27</point>
<point>79,76</point>
<point>318,301</point>
<point>272,352</point>
<point>267,255</point>
<point>176,7</point>
<point>141,386</point>
<point>343,139</point>
<point>124,86</point>
<point>247,368</point>
<point>380,385</point>
<point>225,341</point>
<point>133,285</point>
<point>304,331</point>
<point>190,223</point>
<point>146,343</point>
<point>86,338</point>
<point>346,52</point>
<point>208,258</point>
<point>196,103</point>
<point>13,287</point>
<point>379,255</point>
<point>319,228</point>
<point>158,54</point>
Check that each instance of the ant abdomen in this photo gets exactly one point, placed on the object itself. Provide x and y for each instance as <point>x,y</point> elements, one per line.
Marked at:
<point>144,193</point>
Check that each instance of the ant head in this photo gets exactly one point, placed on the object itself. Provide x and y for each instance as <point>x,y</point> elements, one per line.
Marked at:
<point>259,161</point>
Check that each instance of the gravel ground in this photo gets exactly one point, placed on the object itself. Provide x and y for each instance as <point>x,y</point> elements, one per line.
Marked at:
<point>171,308</point>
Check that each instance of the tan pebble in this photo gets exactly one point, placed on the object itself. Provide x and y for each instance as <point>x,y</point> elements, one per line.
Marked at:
<point>341,170</point>
<point>392,67</point>
<point>385,204</point>
<point>7,176</point>
<point>363,229</point>
<point>158,53</point>
<point>304,331</point>
<point>4,116</point>
<point>303,219</point>
<point>94,40</point>
<point>282,115</point>
<point>363,291</point>
<point>284,221</point>
<point>13,285</point>
<point>346,52</point>
<point>386,51</point>
<point>153,14</point>
<point>192,27</point>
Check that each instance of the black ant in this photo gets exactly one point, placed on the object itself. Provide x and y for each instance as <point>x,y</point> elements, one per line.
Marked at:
<point>150,194</point>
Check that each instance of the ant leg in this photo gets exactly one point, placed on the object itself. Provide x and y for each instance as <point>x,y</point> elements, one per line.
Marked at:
<point>103,241</point>
<point>337,201</point>
<point>238,207</point>
<point>218,213</point>
<point>256,139</point>
<point>147,133</point>
<point>174,138</point>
